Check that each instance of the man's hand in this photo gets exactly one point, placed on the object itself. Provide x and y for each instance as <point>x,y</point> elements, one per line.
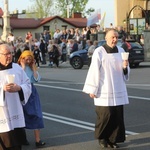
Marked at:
<point>125,63</point>
<point>11,87</point>
<point>92,95</point>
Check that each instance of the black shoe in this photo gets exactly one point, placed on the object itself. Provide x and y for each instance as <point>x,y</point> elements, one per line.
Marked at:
<point>103,143</point>
<point>39,144</point>
<point>112,145</point>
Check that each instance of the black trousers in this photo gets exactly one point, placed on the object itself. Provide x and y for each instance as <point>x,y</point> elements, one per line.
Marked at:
<point>64,57</point>
<point>56,61</point>
<point>37,61</point>
<point>44,58</point>
<point>110,123</point>
<point>12,140</point>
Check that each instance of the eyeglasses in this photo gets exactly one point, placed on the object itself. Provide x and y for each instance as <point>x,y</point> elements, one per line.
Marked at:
<point>9,53</point>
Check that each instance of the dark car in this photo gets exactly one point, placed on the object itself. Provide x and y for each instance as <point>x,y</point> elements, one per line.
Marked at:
<point>136,54</point>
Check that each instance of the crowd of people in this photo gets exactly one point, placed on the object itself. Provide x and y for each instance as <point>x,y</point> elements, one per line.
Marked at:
<point>62,42</point>
<point>58,47</point>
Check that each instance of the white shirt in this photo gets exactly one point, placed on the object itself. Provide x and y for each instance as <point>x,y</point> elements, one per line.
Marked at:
<point>11,112</point>
<point>106,79</point>
<point>57,35</point>
<point>37,44</point>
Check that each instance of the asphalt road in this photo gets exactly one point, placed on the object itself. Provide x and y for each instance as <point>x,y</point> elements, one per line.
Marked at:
<point>69,114</point>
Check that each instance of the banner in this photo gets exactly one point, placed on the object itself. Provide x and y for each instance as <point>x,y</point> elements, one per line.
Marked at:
<point>94,18</point>
<point>102,21</point>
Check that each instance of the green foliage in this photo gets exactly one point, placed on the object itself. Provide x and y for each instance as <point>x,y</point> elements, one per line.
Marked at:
<point>89,11</point>
<point>42,8</point>
<point>46,8</point>
<point>74,5</point>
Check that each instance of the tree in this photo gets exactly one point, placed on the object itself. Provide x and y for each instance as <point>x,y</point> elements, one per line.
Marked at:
<point>46,8</point>
<point>89,11</point>
<point>74,6</point>
<point>42,8</point>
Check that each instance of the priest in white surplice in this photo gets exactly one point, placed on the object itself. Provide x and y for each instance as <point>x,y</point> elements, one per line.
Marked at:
<point>12,97</point>
<point>105,83</point>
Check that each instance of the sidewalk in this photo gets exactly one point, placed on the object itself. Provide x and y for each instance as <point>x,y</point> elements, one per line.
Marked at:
<point>61,65</point>
<point>145,64</point>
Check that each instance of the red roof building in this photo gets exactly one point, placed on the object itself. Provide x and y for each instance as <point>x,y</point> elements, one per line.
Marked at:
<point>20,26</point>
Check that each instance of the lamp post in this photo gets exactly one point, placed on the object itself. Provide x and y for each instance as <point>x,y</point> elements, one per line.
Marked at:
<point>67,8</point>
<point>6,21</point>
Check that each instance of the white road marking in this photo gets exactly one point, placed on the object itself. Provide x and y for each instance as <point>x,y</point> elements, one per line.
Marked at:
<point>57,87</point>
<point>74,122</point>
<point>78,90</point>
<point>142,85</point>
<point>64,82</point>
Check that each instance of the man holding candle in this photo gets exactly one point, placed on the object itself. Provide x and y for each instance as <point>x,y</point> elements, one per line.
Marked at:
<point>105,83</point>
<point>13,94</point>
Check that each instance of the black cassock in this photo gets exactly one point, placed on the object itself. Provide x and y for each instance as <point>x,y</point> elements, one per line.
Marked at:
<point>110,119</point>
<point>14,137</point>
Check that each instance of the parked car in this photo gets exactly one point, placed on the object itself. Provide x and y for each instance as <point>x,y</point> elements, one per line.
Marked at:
<point>136,55</point>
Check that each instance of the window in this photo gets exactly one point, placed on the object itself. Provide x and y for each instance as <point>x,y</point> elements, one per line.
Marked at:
<point>46,28</point>
<point>64,26</point>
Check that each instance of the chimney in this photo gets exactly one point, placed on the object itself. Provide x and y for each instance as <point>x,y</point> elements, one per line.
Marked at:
<point>15,11</point>
<point>77,15</point>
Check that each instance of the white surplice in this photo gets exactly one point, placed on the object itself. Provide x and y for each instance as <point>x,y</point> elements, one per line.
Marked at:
<point>106,79</point>
<point>11,112</point>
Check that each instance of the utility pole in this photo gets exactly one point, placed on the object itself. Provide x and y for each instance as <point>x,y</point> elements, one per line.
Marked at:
<point>67,8</point>
<point>6,21</point>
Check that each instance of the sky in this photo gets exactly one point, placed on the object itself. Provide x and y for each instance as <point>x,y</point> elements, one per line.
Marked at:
<point>105,6</point>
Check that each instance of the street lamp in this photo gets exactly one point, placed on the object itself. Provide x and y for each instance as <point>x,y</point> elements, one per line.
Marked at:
<point>67,8</point>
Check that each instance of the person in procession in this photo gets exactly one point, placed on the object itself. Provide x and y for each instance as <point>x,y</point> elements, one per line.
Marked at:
<point>105,83</point>
<point>32,110</point>
<point>15,89</point>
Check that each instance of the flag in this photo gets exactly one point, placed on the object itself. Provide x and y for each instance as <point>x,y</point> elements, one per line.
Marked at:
<point>94,18</point>
<point>102,21</point>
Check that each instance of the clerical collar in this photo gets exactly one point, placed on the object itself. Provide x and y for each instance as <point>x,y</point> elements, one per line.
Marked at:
<point>110,50</point>
<point>2,67</point>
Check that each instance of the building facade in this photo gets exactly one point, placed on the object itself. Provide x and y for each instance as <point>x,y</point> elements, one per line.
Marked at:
<point>19,26</point>
<point>130,9</point>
